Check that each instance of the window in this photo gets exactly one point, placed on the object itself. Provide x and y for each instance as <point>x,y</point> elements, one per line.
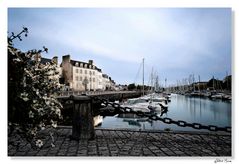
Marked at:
<point>93,72</point>
<point>76,78</point>
<point>80,78</point>
<point>76,70</point>
<point>85,71</point>
<point>90,66</point>
<point>85,65</point>
<point>77,64</point>
<point>93,79</point>
<point>90,72</point>
<point>90,78</point>
<point>81,64</point>
<point>80,70</point>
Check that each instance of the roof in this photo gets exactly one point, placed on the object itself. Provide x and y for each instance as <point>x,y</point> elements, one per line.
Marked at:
<point>45,60</point>
<point>105,76</point>
<point>73,62</point>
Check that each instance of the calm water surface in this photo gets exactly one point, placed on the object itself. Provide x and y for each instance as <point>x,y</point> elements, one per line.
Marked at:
<point>189,109</point>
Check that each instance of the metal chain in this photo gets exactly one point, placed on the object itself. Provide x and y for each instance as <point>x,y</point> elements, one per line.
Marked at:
<point>117,109</point>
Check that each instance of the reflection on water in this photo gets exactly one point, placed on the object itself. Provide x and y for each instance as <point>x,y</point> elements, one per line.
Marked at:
<point>189,109</point>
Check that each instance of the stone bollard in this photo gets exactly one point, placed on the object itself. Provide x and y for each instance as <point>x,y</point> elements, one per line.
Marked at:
<point>82,122</point>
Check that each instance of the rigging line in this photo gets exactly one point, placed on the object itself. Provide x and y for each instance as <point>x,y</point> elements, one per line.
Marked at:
<point>136,77</point>
<point>147,68</point>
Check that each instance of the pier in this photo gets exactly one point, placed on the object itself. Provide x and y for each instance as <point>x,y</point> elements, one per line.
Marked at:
<point>109,95</point>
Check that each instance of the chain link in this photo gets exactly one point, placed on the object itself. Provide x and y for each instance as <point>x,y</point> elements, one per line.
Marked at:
<point>181,123</point>
<point>117,108</point>
<point>213,128</point>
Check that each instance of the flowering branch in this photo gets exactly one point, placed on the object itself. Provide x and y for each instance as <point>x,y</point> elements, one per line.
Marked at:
<point>13,36</point>
<point>31,93</point>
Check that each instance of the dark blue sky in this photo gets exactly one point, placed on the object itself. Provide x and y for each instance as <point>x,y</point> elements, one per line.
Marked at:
<point>175,42</point>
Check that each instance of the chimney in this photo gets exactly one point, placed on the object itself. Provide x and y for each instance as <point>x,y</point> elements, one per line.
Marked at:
<point>91,62</point>
<point>66,59</point>
<point>55,60</point>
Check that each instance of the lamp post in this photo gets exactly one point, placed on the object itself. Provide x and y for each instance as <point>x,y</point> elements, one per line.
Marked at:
<point>85,82</point>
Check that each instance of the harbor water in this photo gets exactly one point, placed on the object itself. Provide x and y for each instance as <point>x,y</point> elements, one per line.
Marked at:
<point>190,109</point>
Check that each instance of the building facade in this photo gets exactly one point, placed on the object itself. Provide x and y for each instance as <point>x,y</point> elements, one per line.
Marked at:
<point>81,76</point>
<point>53,60</point>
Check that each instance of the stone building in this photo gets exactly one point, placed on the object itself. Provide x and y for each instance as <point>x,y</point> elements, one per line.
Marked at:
<point>80,76</point>
<point>109,84</point>
<point>54,60</point>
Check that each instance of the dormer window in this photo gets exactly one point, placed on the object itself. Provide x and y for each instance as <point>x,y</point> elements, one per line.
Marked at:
<point>90,66</point>
<point>77,64</point>
<point>85,65</point>
<point>81,64</point>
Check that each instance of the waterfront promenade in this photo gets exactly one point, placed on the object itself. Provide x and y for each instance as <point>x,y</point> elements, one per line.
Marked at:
<point>110,142</point>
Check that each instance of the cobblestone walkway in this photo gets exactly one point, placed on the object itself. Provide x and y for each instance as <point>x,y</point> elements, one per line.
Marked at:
<point>127,143</point>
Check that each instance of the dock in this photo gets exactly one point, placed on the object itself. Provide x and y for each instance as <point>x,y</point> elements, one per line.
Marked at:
<point>126,142</point>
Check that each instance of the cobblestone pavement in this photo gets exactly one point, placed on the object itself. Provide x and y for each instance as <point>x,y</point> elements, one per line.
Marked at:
<point>109,142</point>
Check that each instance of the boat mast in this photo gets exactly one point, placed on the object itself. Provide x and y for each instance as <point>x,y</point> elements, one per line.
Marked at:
<point>199,83</point>
<point>165,84</point>
<point>143,76</point>
<point>193,84</point>
<point>213,83</point>
<point>152,77</point>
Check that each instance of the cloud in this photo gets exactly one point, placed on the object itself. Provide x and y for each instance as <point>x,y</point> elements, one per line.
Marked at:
<point>184,40</point>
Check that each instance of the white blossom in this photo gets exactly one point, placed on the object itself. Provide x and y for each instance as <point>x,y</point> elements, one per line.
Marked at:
<point>33,132</point>
<point>39,143</point>
<point>31,114</point>
<point>40,111</point>
<point>53,145</point>
<point>47,102</point>
<point>60,105</point>
<point>28,72</point>
<point>42,126</point>
<point>37,92</point>
<point>17,60</point>
<point>25,99</point>
<point>44,97</point>
<point>58,112</point>
<point>53,124</point>
<point>24,94</point>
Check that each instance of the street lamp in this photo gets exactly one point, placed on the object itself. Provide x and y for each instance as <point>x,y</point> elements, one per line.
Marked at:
<point>85,82</point>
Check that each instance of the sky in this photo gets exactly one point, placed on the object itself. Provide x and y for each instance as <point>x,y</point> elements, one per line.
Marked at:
<point>175,42</point>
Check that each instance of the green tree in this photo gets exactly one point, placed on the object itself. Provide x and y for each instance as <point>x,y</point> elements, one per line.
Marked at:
<point>214,84</point>
<point>138,87</point>
<point>131,87</point>
<point>227,82</point>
